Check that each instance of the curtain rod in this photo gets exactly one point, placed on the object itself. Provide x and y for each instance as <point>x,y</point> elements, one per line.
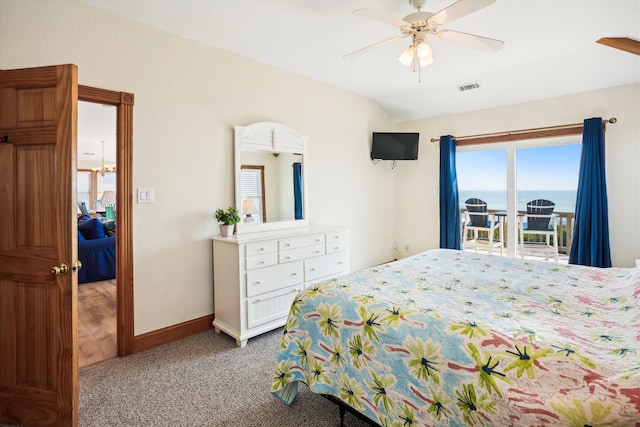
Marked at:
<point>529,133</point>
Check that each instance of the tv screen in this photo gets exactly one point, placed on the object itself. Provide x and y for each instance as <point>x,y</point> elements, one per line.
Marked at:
<point>394,146</point>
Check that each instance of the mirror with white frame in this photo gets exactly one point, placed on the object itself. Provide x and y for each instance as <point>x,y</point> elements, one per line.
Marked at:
<point>270,177</point>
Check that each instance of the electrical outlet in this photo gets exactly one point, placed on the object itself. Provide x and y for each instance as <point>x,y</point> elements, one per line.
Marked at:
<point>406,247</point>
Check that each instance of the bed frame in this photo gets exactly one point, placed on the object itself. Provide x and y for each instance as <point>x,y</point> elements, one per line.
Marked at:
<point>344,408</point>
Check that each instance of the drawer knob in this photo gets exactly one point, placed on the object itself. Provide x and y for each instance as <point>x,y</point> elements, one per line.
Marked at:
<point>317,252</point>
<point>313,269</point>
<point>257,301</point>
<point>287,257</point>
<point>261,262</point>
<point>335,248</point>
<point>258,282</point>
<point>339,262</point>
<point>294,274</point>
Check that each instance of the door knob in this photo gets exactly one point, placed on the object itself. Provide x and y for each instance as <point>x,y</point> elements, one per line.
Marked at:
<point>76,266</point>
<point>59,270</point>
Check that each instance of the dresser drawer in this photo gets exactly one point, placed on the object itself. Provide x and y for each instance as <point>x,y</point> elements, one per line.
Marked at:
<point>273,278</point>
<point>328,265</point>
<point>302,253</point>
<point>272,306</point>
<point>337,246</point>
<point>264,260</point>
<point>300,242</point>
<point>338,236</point>
<point>261,248</point>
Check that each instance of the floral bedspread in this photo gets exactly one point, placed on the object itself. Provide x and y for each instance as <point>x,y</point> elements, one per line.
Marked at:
<point>450,338</point>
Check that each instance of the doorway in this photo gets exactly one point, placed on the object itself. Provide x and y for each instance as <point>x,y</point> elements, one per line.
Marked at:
<point>38,251</point>
<point>123,102</point>
<point>97,232</point>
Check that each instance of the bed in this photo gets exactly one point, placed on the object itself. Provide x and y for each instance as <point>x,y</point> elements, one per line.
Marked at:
<point>451,338</point>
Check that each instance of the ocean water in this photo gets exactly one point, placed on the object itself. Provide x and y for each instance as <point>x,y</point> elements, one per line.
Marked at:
<point>565,200</point>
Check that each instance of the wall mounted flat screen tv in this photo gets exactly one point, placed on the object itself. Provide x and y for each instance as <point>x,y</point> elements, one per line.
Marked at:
<point>394,146</point>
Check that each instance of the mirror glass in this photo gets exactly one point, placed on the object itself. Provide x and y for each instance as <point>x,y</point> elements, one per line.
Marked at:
<point>267,191</point>
<point>270,178</point>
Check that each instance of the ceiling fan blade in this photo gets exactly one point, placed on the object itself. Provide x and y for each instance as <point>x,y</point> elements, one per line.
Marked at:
<point>458,10</point>
<point>471,40</point>
<point>373,46</point>
<point>622,43</point>
<point>372,14</point>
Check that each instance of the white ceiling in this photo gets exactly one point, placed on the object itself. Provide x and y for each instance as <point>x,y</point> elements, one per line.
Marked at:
<point>96,123</point>
<point>549,49</point>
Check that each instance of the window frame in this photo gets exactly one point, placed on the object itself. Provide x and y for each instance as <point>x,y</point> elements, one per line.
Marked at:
<point>263,201</point>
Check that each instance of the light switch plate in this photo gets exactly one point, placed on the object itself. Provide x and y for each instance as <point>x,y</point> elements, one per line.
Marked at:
<point>146,195</point>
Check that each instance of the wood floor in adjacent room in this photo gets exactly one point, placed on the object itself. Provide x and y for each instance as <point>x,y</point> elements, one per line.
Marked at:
<point>96,322</point>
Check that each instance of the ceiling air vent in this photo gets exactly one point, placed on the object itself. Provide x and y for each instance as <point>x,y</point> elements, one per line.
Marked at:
<point>469,86</point>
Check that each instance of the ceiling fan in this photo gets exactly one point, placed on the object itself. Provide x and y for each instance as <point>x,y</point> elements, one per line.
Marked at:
<point>419,25</point>
<point>622,43</point>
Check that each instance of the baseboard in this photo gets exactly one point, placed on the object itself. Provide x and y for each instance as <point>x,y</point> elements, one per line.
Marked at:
<point>171,333</point>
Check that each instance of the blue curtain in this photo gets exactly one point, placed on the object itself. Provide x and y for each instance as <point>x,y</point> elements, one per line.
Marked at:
<point>590,245</point>
<point>449,206</point>
<point>297,190</point>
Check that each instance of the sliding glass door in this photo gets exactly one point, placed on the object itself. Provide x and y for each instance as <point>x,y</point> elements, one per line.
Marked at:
<point>550,173</point>
<point>483,175</point>
<point>508,175</point>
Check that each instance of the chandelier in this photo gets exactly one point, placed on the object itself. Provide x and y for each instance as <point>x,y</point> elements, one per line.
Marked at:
<point>104,169</point>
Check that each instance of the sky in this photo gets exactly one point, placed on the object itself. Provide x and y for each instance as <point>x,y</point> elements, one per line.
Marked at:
<point>540,168</point>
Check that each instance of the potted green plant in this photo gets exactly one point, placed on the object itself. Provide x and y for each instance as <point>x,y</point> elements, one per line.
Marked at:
<point>227,220</point>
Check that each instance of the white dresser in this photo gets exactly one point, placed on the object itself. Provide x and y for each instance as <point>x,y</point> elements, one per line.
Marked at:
<point>256,276</point>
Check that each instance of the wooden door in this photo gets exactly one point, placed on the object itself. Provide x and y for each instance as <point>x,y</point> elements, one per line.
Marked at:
<point>38,313</point>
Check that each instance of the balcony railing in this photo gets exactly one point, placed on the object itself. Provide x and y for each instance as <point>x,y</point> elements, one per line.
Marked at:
<point>566,221</point>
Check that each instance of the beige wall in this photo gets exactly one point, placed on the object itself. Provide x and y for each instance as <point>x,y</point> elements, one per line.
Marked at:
<point>421,231</point>
<point>188,98</point>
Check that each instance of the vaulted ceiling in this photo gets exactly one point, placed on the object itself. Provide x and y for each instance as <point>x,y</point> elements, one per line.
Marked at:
<point>550,46</point>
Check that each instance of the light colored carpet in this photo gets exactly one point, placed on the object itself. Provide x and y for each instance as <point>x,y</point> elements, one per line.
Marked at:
<point>204,380</point>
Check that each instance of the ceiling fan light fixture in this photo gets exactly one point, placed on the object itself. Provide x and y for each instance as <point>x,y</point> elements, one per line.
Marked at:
<point>424,63</point>
<point>406,57</point>
<point>425,54</point>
